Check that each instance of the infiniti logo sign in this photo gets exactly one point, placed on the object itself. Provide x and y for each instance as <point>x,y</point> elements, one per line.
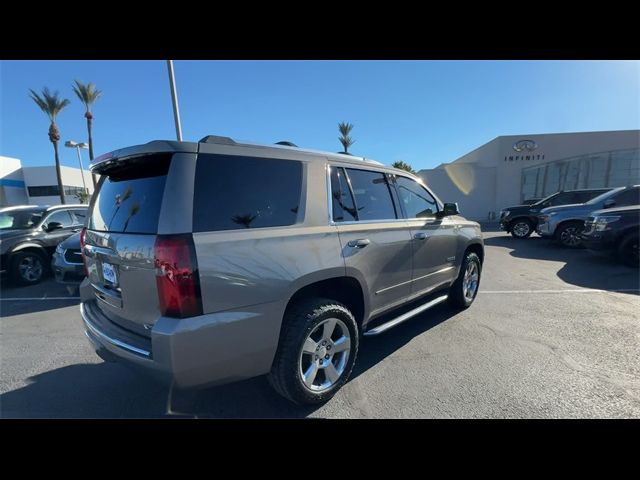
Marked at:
<point>522,145</point>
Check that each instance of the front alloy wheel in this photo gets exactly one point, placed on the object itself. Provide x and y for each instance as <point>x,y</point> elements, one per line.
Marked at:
<point>569,236</point>
<point>521,229</point>
<point>28,268</point>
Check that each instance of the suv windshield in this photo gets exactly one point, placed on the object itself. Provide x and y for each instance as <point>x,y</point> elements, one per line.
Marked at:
<point>546,199</point>
<point>19,219</point>
<point>604,196</point>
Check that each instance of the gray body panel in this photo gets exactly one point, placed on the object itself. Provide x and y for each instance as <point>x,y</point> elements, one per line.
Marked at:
<point>248,276</point>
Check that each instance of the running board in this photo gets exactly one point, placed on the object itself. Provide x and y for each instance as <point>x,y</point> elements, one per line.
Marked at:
<point>406,316</point>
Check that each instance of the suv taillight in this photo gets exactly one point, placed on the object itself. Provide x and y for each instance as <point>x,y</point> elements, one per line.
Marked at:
<point>177,276</point>
<point>83,233</point>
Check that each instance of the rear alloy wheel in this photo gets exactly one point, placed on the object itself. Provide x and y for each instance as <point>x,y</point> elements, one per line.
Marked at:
<point>521,229</point>
<point>316,353</point>
<point>28,268</point>
<point>569,235</point>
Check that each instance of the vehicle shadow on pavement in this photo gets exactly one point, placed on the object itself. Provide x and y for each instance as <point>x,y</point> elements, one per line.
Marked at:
<point>111,390</point>
<point>376,348</point>
<point>582,268</point>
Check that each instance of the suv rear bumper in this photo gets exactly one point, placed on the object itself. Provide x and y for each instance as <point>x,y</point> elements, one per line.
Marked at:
<point>201,351</point>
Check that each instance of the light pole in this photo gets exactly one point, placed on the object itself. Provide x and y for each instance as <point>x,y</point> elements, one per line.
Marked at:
<point>174,98</point>
<point>78,146</point>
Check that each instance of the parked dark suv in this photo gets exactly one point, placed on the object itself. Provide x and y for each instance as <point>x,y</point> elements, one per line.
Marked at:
<point>615,230</point>
<point>217,261</point>
<point>30,234</point>
<point>522,220</point>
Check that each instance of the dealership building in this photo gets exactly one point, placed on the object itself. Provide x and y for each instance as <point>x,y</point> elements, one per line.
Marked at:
<point>38,185</point>
<point>511,169</point>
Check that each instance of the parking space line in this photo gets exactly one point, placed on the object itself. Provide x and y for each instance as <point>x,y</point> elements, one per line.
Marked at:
<point>567,290</point>
<point>31,299</point>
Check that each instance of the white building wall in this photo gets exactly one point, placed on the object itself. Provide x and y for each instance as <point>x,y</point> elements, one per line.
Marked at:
<point>46,176</point>
<point>467,180</point>
<point>12,187</point>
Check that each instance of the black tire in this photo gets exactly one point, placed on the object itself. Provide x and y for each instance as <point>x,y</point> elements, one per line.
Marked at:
<point>628,252</point>
<point>457,298</point>
<point>19,275</point>
<point>521,228</point>
<point>568,234</point>
<point>299,322</point>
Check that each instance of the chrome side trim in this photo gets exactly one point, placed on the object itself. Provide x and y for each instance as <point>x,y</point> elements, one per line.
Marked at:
<point>406,316</point>
<point>415,279</point>
<point>112,341</point>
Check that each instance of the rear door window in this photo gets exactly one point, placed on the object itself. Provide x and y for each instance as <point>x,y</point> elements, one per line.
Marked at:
<point>130,196</point>
<point>235,192</point>
<point>372,195</point>
<point>62,217</point>
<point>344,209</point>
<point>561,199</point>
<point>80,216</point>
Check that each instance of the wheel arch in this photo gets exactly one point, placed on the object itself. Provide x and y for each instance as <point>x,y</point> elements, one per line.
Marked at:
<point>346,289</point>
<point>477,248</point>
<point>29,246</point>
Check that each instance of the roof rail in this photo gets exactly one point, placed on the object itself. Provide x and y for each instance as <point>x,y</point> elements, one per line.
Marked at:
<point>217,139</point>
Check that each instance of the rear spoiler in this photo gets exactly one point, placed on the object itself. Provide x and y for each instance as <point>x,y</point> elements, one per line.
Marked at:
<point>101,163</point>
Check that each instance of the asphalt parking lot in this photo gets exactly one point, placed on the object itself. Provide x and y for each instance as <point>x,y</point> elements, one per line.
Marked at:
<point>553,334</point>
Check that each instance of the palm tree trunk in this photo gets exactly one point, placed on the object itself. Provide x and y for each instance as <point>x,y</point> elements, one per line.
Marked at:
<point>89,131</point>
<point>59,173</point>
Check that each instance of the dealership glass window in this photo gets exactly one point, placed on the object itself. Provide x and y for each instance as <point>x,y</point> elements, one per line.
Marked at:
<point>43,191</point>
<point>572,174</point>
<point>625,168</point>
<point>598,171</point>
<point>52,190</point>
<point>372,195</point>
<point>529,183</point>
<point>552,182</point>
<point>608,169</point>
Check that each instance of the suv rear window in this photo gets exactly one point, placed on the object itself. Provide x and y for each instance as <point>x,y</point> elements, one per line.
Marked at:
<point>235,192</point>
<point>130,196</point>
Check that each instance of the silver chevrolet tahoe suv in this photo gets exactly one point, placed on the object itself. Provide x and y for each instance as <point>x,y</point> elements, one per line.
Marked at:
<point>218,261</point>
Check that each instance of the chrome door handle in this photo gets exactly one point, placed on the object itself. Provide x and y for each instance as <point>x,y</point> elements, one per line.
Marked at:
<point>359,243</point>
<point>420,236</point>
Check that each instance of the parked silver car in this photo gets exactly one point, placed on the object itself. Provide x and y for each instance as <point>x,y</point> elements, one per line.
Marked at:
<point>67,264</point>
<point>565,223</point>
<point>217,261</point>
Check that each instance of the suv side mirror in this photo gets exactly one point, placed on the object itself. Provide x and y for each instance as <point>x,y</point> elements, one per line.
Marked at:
<point>51,226</point>
<point>609,203</point>
<point>448,210</point>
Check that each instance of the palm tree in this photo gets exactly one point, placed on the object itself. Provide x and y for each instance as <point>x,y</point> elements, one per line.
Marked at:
<point>88,94</point>
<point>345,139</point>
<point>51,104</point>
<point>403,166</point>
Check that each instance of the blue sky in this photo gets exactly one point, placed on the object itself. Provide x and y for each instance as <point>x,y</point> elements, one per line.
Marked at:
<point>422,112</point>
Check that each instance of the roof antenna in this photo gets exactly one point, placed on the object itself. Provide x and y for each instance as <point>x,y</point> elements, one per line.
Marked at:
<point>287,144</point>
